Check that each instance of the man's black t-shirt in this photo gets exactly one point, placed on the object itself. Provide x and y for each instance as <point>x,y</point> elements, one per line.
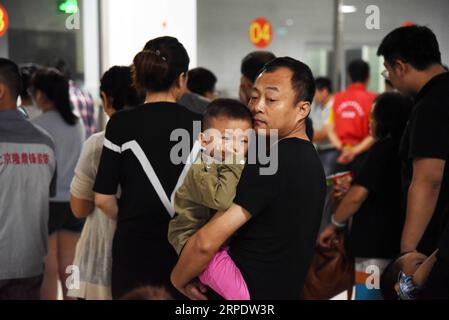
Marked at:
<point>377,225</point>
<point>134,138</point>
<point>427,136</point>
<point>274,249</point>
<point>443,247</point>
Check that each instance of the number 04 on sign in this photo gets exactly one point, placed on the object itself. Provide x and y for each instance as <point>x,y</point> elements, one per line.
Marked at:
<point>260,32</point>
<point>4,21</point>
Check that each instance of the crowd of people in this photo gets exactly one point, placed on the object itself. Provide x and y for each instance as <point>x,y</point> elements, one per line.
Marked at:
<point>175,199</point>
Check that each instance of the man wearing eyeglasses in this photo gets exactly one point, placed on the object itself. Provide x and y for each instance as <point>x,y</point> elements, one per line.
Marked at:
<point>413,65</point>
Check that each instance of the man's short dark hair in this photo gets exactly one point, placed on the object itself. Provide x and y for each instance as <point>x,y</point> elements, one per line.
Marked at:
<point>227,108</point>
<point>358,70</point>
<point>254,62</point>
<point>10,76</point>
<point>416,45</point>
<point>323,83</point>
<point>201,80</point>
<point>303,82</point>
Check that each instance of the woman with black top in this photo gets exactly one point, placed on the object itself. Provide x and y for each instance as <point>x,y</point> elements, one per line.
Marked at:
<point>374,201</point>
<point>137,156</point>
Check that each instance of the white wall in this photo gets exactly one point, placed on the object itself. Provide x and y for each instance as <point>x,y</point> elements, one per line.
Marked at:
<point>223,29</point>
<point>128,25</point>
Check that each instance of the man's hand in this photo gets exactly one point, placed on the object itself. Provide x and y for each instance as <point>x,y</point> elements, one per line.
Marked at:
<point>201,247</point>
<point>194,290</point>
<point>339,191</point>
<point>347,156</point>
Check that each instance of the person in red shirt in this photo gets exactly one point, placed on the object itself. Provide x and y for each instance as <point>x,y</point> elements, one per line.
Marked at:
<point>348,125</point>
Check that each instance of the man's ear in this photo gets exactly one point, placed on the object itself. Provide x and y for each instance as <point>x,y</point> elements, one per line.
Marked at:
<point>303,109</point>
<point>400,67</point>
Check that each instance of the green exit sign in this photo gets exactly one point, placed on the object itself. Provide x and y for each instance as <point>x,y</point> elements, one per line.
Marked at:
<point>68,6</point>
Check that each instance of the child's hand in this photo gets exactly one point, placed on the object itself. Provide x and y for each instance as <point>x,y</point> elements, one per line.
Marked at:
<point>232,156</point>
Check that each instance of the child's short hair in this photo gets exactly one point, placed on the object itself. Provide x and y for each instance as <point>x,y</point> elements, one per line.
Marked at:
<point>227,108</point>
<point>148,293</point>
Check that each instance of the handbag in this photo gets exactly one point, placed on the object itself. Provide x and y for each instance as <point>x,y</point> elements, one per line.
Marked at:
<point>331,272</point>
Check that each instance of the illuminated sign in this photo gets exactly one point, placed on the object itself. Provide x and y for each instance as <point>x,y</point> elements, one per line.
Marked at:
<point>260,32</point>
<point>4,21</point>
<point>68,6</point>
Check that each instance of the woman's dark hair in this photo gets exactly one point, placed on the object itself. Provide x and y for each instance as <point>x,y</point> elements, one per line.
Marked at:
<point>27,71</point>
<point>56,88</point>
<point>117,84</point>
<point>391,112</point>
<point>201,80</point>
<point>227,108</point>
<point>159,65</point>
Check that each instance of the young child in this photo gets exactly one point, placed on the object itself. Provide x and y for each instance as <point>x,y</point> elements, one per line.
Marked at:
<point>211,184</point>
<point>405,277</point>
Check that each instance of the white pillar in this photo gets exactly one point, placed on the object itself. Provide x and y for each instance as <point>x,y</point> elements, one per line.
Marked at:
<point>91,40</point>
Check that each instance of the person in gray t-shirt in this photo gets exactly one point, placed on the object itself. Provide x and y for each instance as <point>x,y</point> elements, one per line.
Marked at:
<point>27,179</point>
<point>319,114</point>
<point>51,93</point>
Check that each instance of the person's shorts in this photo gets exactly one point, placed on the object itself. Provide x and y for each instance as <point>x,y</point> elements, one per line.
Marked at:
<point>21,289</point>
<point>62,219</point>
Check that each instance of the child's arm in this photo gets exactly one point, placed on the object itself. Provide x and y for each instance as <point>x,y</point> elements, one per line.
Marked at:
<point>215,185</point>
<point>423,271</point>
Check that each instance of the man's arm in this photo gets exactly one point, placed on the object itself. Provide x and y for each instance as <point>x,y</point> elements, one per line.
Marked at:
<point>421,200</point>
<point>363,146</point>
<point>202,246</point>
<point>349,154</point>
<point>332,136</point>
<point>107,204</point>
